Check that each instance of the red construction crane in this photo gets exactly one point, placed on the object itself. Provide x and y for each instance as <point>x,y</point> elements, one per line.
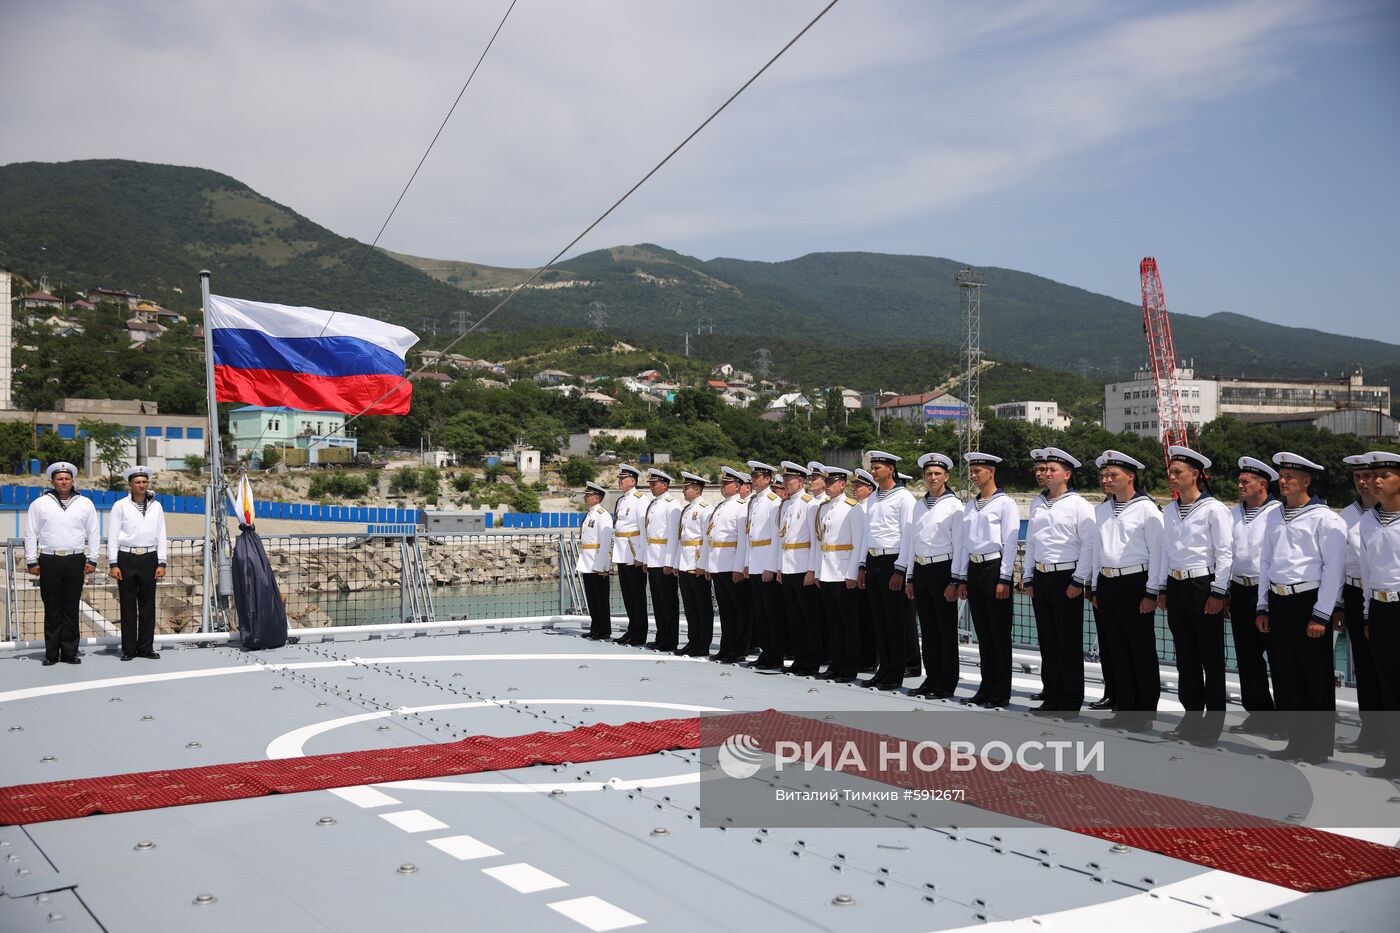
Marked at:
<point>1161,355</point>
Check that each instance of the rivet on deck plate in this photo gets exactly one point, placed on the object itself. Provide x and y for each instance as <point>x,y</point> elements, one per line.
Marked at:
<point>55,917</point>
<point>326,821</point>
<point>114,699</point>
<point>191,745</point>
<point>645,679</point>
<point>843,900</point>
<point>48,758</point>
<point>202,899</point>
<point>1174,758</point>
<point>557,792</point>
<point>727,696</point>
<point>147,718</point>
<point>382,729</point>
<point>1295,817</point>
<point>276,686</point>
<point>811,689</point>
<point>17,728</point>
<point>407,868</point>
<point>143,845</point>
<point>661,831</point>
<point>1119,848</point>
<point>588,709</point>
<point>322,703</point>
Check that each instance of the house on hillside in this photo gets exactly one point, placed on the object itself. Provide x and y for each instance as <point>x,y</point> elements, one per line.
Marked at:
<point>738,396</point>
<point>429,375</point>
<point>552,377</point>
<point>648,375</point>
<point>140,330</point>
<point>116,295</point>
<point>723,371</point>
<point>719,385</point>
<point>40,301</point>
<point>919,410</point>
<point>81,305</point>
<point>790,401</point>
<point>607,401</point>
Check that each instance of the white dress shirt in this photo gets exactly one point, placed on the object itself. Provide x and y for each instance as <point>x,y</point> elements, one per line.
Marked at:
<point>1130,538</point>
<point>62,526</point>
<point>1203,540</point>
<point>691,548</point>
<point>1351,517</point>
<point>1311,548</point>
<point>661,527</point>
<point>725,528</point>
<point>840,526</point>
<point>935,528</point>
<point>796,530</point>
<point>1248,538</point>
<point>1380,555</point>
<point>627,527</point>
<point>990,530</point>
<point>595,542</point>
<point>757,547</point>
<point>128,527</point>
<point>1061,531</point>
<point>885,521</point>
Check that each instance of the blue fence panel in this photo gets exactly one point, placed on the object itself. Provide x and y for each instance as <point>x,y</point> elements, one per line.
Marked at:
<point>490,519</point>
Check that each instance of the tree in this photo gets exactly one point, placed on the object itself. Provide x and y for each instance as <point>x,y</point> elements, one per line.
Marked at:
<point>111,443</point>
<point>270,456</point>
<point>579,470</point>
<point>525,499</point>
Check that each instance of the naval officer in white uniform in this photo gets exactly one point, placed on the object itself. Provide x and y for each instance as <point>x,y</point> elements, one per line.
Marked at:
<point>595,561</point>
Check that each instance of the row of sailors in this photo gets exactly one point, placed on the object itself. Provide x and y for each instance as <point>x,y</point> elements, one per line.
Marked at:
<point>827,566</point>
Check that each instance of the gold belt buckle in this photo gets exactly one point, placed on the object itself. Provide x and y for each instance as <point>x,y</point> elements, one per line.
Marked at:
<point>1278,589</point>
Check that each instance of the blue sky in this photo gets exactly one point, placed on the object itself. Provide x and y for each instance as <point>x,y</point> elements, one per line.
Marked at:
<point>1251,145</point>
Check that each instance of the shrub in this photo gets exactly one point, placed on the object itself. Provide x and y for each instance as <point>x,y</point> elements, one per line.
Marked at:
<point>338,485</point>
<point>462,482</point>
<point>525,499</point>
<point>579,470</point>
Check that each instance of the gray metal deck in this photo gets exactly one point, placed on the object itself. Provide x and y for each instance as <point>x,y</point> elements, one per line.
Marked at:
<point>618,846</point>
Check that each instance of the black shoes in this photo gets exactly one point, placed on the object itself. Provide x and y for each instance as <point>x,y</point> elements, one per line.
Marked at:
<point>1105,703</point>
<point>128,657</point>
<point>50,662</point>
<point>1037,697</point>
<point>73,660</point>
<point>148,655</point>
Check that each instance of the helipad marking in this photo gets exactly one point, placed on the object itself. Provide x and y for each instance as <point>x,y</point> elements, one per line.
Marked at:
<point>596,914</point>
<point>464,848</point>
<point>366,797</point>
<point>524,877</point>
<point>413,821</point>
<point>291,745</point>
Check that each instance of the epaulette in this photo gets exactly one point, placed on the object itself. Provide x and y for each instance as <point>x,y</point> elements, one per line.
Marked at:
<point>637,493</point>
<point>806,497</point>
<point>772,495</point>
<point>702,503</point>
<point>851,501</point>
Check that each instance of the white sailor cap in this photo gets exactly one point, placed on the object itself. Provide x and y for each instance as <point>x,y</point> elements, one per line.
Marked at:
<point>1117,458</point>
<point>138,470</point>
<point>1038,454</point>
<point>977,458</point>
<point>1056,455</point>
<point>688,478</point>
<point>796,469</point>
<point>655,474</point>
<point>728,473</point>
<point>1250,465</point>
<point>594,488</point>
<point>837,473</point>
<point>863,476</point>
<point>935,460</point>
<point>882,455</point>
<point>629,468</point>
<point>746,478</point>
<point>1358,461</point>
<point>904,477</point>
<point>815,466</point>
<point>62,466</point>
<point>1187,455</point>
<point>1383,459</point>
<point>1291,461</point>
<point>756,465</point>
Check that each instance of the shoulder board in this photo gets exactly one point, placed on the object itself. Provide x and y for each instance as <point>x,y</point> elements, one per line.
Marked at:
<point>806,497</point>
<point>637,493</point>
<point>850,501</point>
<point>701,504</point>
<point>772,495</point>
<point>667,498</point>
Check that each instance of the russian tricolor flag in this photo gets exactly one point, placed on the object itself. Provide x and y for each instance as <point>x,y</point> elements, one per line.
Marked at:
<point>304,358</point>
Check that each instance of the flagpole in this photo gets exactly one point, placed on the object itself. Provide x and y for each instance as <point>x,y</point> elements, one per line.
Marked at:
<point>215,566</point>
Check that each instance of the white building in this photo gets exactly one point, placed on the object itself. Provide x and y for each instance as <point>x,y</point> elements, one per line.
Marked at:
<point>1132,406</point>
<point>580,443</point>
<point>5,340</point>
<point>1045,414</point>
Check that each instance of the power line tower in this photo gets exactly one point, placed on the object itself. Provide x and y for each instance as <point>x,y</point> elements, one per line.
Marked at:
<point>1161,356</point>
<point>687,343</point>
<point>971,284</point>
<point>462,322</point>
<point>597,315</point>
<point>430,324</point>
<point>763,362</point>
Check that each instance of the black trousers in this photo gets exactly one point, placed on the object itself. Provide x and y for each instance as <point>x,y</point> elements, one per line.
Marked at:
<point>842,627</point>
<point>61,589</point>
<point>632,580</point>
<point>887,619</point>
<point>991,621</point>
<point>1106,661</point>
<point>869,657</point>
<point>1304,674</point>
<point>1132,641</point>
<point>731,598</point>
<point>1199,638</point>
<point>1060,622</point>
<point>597,592</point>
<point>665,608</point>
<point>1385,653</point>
<point>802,606</point>
<point>699,611</point>
<point>1251,649</point>
<point>1368,686</point>
<point>770,619</point>
<point>938,624</point>
<point>137,593</point>
<point>913,665</point>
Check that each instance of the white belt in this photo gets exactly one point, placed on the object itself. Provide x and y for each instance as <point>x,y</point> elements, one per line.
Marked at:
<point>883,551</point>
<point>934,559</point>
<point>983,558</point>
<point>138,551</point>
<point>1191,574</point>
<point>1242,580</point>
<point>1053,568</point>
<point>1354,581</point>
<point>1385,596</point>
<point>1112,572</point>
<point>1289,589</point>
<point>62,552</point>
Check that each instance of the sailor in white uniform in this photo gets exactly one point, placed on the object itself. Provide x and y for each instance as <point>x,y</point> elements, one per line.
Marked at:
<point>802,606</point>
<point>137,550</point>
<point>1250,519</point>
<point>984,570</point>
<point>1056,572</point>
<point>1380,574</point>
<point>862,487</point>
<point>689,557</point>
<point>1350,616</point>
<point>628,551</point>
<point>882,574</point>
<point>661,528</point>
<point>933,535</point>
<point>595,561</point>
<point>725,530</point>
<point>1300,580</point>
<point>1129,539</point>
<point>1191,579</point>
<point>61,542</point>
<point>840,525</point>
<point>757,554</point>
